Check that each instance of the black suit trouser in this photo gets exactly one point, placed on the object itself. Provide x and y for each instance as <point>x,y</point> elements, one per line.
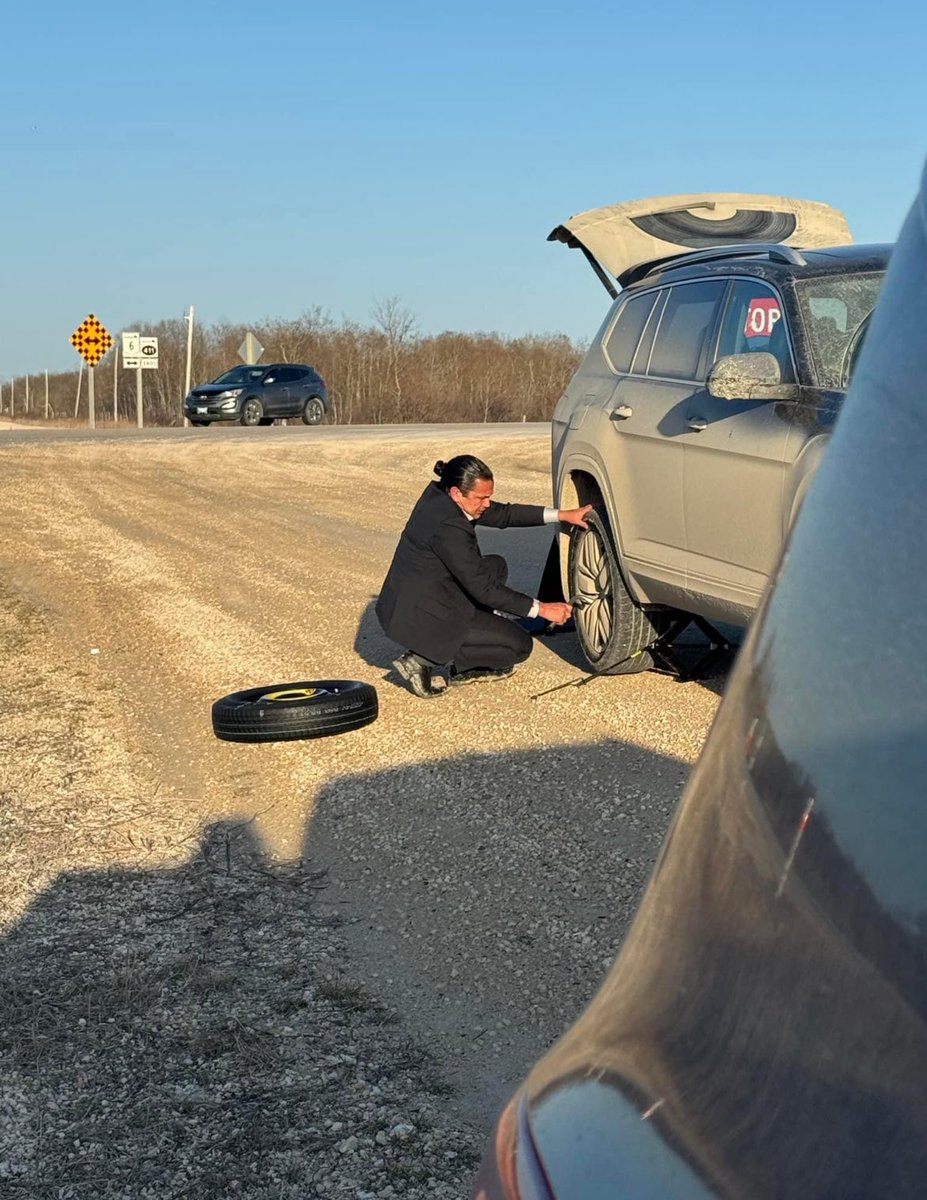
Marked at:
<point>491,642</point>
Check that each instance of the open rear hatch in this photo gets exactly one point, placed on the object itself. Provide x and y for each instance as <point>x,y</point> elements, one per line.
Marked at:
<point>621,237</point>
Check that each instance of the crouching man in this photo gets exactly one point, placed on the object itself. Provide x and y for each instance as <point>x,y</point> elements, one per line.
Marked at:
<point>442,596</point>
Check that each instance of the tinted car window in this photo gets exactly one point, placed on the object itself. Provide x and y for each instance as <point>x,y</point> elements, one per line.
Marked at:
<point>687,318</point>
<point>623,339</point>
<point>240,375</point>
<point>754,320</point>
<point>286,375</point>
<point>645,345</point>
<point>834,308</point>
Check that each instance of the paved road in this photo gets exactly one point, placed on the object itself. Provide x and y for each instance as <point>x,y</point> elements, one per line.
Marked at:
<point>274,435</point>
<point>484,850</point>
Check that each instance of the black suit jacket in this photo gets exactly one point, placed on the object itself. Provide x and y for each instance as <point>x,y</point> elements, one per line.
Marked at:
<point>438,574</point>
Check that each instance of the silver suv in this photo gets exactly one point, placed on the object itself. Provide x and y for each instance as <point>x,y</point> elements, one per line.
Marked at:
<point>702,408</point>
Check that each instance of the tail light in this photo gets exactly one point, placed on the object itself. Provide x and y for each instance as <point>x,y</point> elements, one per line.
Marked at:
<point>511,1169</point>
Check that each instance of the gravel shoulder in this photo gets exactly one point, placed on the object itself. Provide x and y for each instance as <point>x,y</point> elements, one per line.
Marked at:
<point>301,969</point>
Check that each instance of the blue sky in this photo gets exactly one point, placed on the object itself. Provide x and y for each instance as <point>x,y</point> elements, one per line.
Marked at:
<point>259,160</point>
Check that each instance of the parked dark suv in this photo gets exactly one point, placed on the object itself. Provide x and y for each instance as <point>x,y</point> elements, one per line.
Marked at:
<point>258,395</point>
<point>703,406</point>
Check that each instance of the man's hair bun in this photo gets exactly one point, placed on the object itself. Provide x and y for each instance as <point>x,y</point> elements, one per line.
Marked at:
<point>463,472</point>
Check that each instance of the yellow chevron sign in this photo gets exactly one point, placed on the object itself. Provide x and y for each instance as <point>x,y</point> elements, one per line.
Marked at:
<point>91,340</point>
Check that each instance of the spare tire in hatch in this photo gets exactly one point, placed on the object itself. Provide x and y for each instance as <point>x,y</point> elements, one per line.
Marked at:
<point>283,712</point>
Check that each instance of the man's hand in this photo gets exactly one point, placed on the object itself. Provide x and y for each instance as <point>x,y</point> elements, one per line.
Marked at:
<point>556,612</point>
<point>574,516</point>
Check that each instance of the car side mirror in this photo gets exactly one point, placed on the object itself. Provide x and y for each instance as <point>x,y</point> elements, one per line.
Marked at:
<point>269,379</point>
<point>753,376</point>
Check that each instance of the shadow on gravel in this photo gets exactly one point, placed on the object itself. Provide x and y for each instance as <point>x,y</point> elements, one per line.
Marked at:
<point>192,1032</point>
<point>336,1026</point>
<point>371,643</point>
<point>486,895</point>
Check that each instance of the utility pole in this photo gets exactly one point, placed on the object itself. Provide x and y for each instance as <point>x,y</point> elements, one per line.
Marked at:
<point>80,376</point>
<point>116,386</point>
<point>188,317</point>
<point>46,395</point>
<point>27,393</point>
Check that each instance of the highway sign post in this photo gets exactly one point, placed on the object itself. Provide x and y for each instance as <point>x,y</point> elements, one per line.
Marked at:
<point>130,356</point>
<point>188,317</point>
<point>91,341</point>
<point>139,354</point>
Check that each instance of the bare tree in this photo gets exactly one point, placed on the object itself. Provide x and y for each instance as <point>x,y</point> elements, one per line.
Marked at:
<point>398,326</point>
<point>382,372</point>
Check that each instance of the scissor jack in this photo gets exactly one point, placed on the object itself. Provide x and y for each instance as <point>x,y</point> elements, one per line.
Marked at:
<point>667,655</point>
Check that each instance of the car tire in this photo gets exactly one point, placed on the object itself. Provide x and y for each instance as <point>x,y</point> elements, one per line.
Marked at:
<point>252,411</point>
<point>612,628</point>
<point>201,424</point>
<point>286,712</point>
<point>313,411</point>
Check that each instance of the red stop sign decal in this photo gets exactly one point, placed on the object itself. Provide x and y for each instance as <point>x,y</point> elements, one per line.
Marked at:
<point>762,315</point>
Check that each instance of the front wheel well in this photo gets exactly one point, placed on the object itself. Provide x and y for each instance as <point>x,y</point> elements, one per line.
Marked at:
<point>576,489</point>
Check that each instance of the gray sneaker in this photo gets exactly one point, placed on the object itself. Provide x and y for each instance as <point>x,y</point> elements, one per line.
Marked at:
<point>418,675</point>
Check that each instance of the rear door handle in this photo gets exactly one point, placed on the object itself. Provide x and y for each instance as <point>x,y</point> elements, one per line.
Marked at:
<point>696,424</point>
<point>622,412</point>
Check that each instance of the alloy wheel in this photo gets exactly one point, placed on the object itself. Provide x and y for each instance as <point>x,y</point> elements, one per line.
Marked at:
<point>252,412</point>
<point>314,411</point>
<point>591,583</point>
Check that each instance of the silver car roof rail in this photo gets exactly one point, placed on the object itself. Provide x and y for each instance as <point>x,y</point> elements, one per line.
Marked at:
<point>773,250</point>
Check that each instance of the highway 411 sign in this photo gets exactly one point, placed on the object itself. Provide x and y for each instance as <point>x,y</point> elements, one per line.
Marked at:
<point>139,353</point>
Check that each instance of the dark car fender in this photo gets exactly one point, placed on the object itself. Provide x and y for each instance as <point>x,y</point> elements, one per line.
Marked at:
<point>800,478</point>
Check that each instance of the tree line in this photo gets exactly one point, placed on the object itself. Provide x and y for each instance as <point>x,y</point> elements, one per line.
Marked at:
<point>385,372</point>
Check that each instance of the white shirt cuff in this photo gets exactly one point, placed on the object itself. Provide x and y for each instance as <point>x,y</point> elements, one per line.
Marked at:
<point>551,516</point>
<point>534,609</point>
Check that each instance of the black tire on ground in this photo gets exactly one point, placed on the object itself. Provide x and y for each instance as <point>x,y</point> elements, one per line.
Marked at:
<point>612,628</point>
<point>252,411</point>
<point>201,424</point>
<point>285,712</point>
<point>313,411</point>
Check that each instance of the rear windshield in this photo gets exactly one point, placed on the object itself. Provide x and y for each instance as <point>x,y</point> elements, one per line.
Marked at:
<point>241,375</point>
<point>835,309</point>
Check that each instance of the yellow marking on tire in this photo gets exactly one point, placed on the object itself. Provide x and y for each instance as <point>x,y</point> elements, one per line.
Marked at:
<point>293,694</point>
